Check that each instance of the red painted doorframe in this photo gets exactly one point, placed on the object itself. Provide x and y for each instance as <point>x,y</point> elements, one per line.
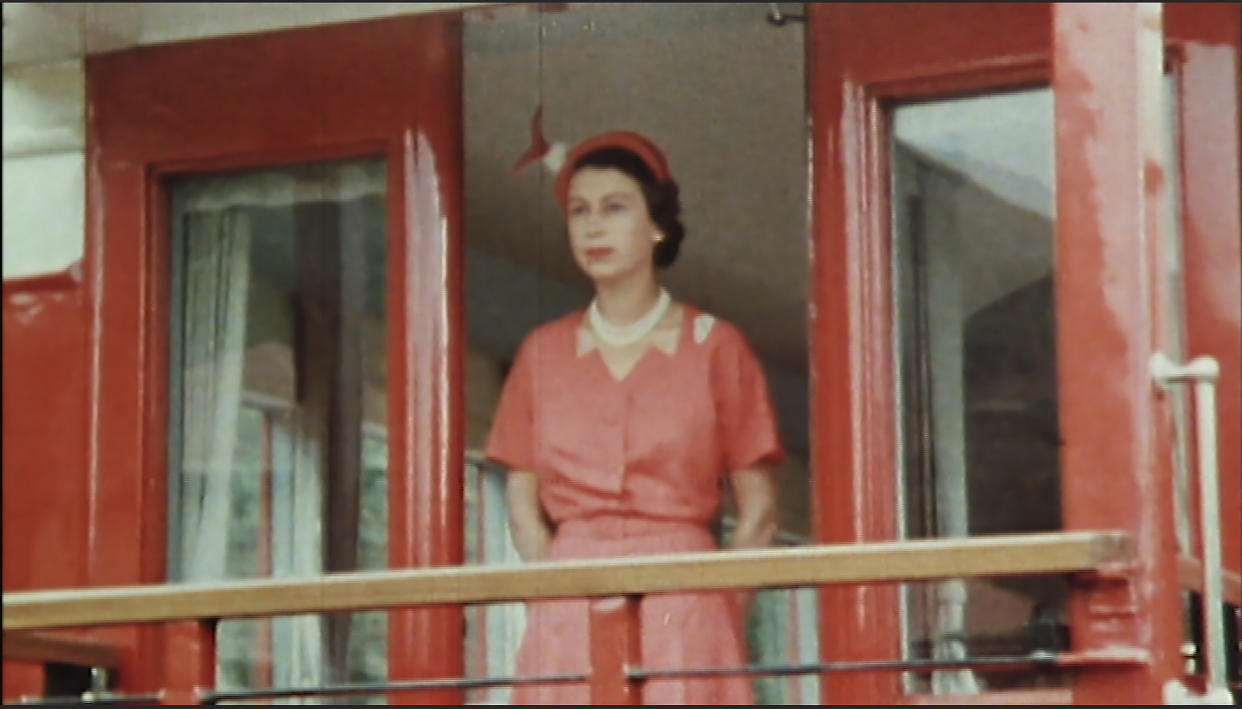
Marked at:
<point>862,56</point>
<point>387,87</point>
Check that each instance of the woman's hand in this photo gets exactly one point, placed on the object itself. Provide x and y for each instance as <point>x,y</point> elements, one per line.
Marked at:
<point>754,491</point>
<point>526,521</point>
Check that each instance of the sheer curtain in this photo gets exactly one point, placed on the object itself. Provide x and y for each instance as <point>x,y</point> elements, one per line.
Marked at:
<point>504,623</point>
<point>217,278</point>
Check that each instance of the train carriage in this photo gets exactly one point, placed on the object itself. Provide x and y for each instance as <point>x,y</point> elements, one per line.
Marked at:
<point>266,268</point>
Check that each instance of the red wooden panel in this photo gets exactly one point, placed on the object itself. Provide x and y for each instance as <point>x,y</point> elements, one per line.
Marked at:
<point>22,679</point>
<point>615,646</point>
<point>387,87</point>
<point>190,661</point>
<point>1208,39</point>
<point>1116,462</point>
<point>46,489</point>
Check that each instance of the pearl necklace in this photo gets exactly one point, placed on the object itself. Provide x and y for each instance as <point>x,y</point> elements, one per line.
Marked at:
<point>620,335</point>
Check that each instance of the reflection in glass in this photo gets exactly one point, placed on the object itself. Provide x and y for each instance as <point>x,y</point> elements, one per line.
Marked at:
<point>278,451</point>
<point>973,217</point>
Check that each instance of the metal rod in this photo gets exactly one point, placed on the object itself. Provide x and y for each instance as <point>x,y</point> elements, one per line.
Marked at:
<point>92,698</point>
<point>638,674</point>
<point>379,687</point>
<point>865,665</point>
<point>1209,516</point>
<point>99,679</point>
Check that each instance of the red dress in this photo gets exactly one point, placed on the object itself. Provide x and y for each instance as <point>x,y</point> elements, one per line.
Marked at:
<point>635,466</point>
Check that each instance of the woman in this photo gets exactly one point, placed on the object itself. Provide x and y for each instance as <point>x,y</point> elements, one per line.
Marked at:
<point>620,424</point>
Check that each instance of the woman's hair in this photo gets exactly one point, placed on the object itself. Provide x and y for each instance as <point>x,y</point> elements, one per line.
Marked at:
<point>660,195</point>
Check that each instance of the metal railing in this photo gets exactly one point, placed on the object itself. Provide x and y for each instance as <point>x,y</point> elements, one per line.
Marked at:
<point>190,611</point>
<point>1203,372</point>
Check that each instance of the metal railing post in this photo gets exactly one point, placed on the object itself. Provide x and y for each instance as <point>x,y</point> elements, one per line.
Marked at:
<point>1203,373</point>
<point>615,648</point>
<point>189,660</point>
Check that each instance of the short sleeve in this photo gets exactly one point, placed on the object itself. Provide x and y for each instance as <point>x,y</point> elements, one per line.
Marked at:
<point>511,441</point>
<point>749,431</point>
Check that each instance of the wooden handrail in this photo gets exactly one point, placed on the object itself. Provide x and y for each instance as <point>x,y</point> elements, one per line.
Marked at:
<point>915,560</point>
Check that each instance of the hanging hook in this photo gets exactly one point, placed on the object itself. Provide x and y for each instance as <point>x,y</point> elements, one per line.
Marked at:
<point>778,18</point>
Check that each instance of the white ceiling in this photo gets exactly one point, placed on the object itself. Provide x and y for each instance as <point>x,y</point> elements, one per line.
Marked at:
<point>51,31</point>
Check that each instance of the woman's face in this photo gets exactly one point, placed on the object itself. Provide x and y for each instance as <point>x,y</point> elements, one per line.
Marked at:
<point>610,231</point>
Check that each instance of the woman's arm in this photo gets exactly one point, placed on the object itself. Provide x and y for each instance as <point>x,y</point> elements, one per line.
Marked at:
<point>754,491</point>
<point>526,521</point>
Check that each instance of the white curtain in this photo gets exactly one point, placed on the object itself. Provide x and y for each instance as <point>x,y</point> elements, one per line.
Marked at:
<point>504,623</point>
<point>217,275</point>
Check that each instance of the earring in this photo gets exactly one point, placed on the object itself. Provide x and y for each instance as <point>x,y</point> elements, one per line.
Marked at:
<point>658,237</point>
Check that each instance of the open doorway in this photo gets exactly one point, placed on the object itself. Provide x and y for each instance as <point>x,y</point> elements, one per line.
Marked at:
<point>721,89</point>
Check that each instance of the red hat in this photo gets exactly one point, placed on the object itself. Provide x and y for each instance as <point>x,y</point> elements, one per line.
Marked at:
<point>646,150</point>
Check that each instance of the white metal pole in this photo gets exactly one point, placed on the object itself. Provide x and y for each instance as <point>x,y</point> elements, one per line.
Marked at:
<point>1204,371</point>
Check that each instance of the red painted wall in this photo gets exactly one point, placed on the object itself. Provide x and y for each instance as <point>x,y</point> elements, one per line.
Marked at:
<point>46,487</point>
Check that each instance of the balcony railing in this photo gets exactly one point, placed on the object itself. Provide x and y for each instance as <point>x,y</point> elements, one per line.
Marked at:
<point>190,611</point>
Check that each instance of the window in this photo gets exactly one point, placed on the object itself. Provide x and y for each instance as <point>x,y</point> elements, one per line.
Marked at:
<point>278,455</point>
